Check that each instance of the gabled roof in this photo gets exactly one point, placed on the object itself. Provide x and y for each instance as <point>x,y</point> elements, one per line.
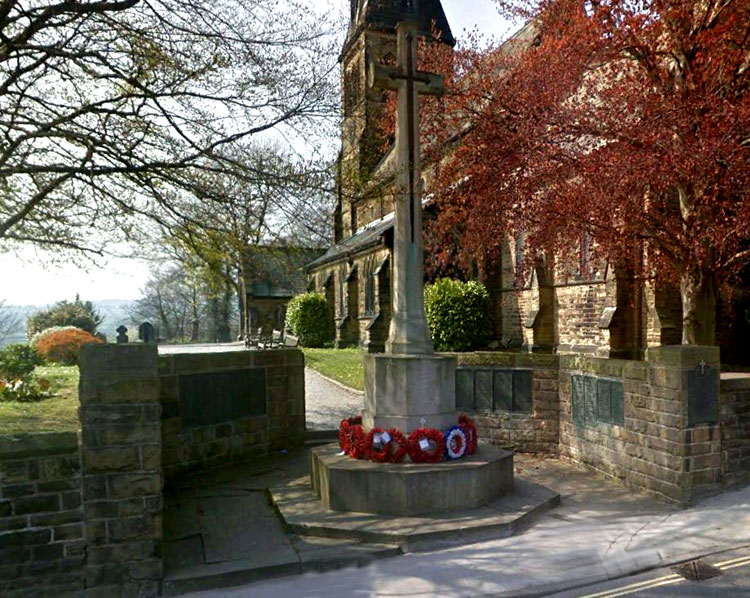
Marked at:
<point>384,15</point>
<point>369,236</point>
<point>277,272</point>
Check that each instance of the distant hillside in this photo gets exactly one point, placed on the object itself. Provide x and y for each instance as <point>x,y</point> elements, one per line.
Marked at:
<point>114,312</point>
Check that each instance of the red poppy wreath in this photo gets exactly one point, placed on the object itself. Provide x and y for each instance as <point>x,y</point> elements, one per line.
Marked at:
<point>426,445</point>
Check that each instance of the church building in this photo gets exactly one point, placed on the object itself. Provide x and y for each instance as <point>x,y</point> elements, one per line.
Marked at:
<point>581,308</point>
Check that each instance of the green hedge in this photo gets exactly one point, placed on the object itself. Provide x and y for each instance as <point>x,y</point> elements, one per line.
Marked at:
<point>307,318</point>
<point>458,314</point>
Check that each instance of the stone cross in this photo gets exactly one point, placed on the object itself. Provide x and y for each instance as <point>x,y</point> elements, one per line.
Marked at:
<point>409,334</point>
<point>122,335</point>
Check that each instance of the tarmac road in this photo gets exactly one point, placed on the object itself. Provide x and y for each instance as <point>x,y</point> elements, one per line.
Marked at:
<point>733,582</point>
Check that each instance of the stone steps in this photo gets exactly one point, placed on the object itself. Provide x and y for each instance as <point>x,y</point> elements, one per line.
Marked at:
<point>310,555</point>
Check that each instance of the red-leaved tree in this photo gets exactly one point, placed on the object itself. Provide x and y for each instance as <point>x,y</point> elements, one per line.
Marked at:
<point>625,120</point>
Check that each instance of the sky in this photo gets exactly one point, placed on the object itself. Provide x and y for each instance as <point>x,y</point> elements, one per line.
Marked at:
<point>30,278</point>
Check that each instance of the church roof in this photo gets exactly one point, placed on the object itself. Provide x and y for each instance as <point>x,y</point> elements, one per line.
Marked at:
<point>277,271</point>
<point>370,236</point>
<point>384,15</point>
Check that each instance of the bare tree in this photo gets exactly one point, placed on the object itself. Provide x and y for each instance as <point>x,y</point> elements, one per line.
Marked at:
<point>9,322</point>
<point>274,200</point>
<point>108,105</point>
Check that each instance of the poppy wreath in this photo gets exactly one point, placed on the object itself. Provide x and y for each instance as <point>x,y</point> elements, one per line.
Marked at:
<point>345,432</point>
<point>357,446</point>
<point>400,443</point>
<point>380,452</point>
<point>436,443</point>
<point>455,443</point>
<point>470,430</point>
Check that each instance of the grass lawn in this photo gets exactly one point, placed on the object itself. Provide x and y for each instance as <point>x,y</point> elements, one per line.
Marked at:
<point>343,365</point>
<point>59,413</point>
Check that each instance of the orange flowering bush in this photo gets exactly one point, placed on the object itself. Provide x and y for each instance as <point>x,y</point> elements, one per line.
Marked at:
<point>63,346</point>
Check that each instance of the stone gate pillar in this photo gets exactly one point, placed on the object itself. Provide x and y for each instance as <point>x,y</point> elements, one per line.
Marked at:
<point>121,469</point>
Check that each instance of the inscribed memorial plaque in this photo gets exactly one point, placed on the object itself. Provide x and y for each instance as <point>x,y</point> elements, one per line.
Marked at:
<point>464,389</point>
<point>617,394</point>
<point>217,397</point>
<point>522,394</point>
<point>483,390</point>
<point>503,390</point>
<point>589,404</point>
<point>603,401</point>
<point>703,395</point>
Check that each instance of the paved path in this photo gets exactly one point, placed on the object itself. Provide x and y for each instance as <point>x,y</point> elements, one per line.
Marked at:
<point>602,531</point>
<point>326,404</point>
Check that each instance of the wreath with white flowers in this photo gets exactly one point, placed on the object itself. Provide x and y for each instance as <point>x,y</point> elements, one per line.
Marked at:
<point>455,443</point>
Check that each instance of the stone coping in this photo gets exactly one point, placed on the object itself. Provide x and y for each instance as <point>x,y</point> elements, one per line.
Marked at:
<point>18,446</point>
<point>202,348</point>
<point>734,381</point>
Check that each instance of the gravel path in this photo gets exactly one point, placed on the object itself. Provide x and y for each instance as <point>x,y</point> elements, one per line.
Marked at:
<point>327,404</point>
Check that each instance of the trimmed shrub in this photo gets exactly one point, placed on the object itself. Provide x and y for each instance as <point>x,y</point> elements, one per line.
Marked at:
<point>18,361</point>
<point>80,314</point>
<point>458,314</point>
<point>63,346</point>
<point>307,318</point>
<point>37,336</point>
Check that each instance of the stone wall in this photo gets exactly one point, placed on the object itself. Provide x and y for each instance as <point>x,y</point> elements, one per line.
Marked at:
<point>513,398</point>
<point>580,310</point>
<point>41,520</point>
<point>219,408</point>
<point>648,432</point>
<point>735,429</point>
<point>656,425</point>
<point>121,468</point>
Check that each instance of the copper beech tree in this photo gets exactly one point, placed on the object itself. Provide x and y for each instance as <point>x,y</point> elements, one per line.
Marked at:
<point>627,121</point>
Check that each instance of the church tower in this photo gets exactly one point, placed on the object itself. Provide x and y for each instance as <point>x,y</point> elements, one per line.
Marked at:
<point>371,37</point>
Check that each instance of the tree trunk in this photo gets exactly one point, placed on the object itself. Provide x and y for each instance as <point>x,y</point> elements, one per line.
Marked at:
<point>698,290</point>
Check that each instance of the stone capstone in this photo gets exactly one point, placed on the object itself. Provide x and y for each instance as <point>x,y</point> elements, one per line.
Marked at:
<point>409,489</point>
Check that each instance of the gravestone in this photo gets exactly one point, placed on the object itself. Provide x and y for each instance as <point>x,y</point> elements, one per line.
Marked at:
<point>122,335</point>
<point>147,333</point>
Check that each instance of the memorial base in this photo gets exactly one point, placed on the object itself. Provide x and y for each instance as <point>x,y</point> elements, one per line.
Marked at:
<point>409,392</point>
<point>409,489</point>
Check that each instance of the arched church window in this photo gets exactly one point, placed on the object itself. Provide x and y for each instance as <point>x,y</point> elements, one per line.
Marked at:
<point>343,302</point>
<point>352,90</point>
<point>370,288</point>
<point>520,279</point>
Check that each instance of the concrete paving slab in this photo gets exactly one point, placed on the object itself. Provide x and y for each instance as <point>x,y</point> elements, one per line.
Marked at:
<point>183,553</point>
<point>601,530</point>
<point>221,530</point>
<point>243,527</point>
<point>181,519</point>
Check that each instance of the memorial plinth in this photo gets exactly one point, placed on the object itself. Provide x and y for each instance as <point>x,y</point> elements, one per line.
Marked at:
<point>410,391</point>
<point>410,489</point>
